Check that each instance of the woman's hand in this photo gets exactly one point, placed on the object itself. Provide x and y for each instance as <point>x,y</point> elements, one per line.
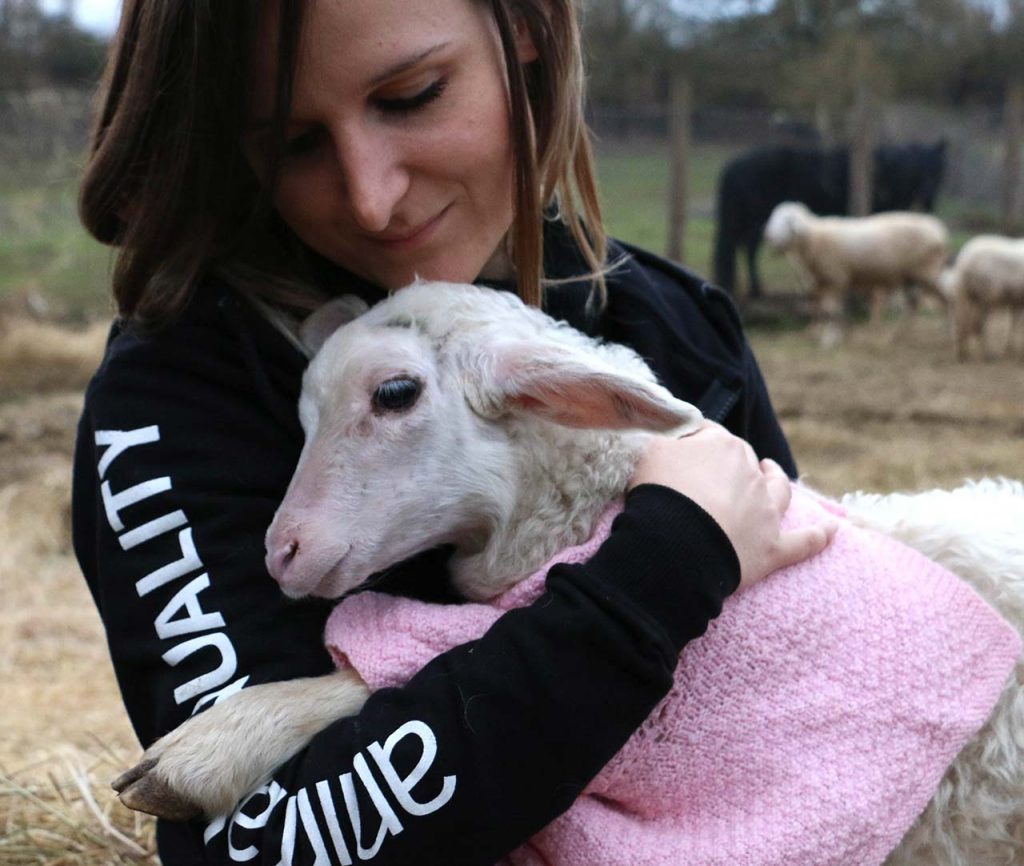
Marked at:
<point>746,497</point>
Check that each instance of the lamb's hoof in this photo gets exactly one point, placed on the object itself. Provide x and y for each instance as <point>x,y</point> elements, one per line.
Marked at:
<point>143,791</point>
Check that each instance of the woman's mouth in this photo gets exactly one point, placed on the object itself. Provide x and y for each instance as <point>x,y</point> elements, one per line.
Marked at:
<point>402,241</point>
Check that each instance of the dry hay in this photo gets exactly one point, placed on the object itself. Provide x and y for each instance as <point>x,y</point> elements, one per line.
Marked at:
<point>64,733</point>
<point>35,518</point>
<point>57,810</point>
<point>882,414</point>
<point>37,355</point>
<point>34,431</point>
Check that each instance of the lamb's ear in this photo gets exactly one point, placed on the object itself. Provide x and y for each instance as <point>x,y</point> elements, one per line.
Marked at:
<point>323,322</point>
<point>574,388</point>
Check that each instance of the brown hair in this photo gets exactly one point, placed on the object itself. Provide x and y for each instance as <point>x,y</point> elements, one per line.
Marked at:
<point>167,181</point>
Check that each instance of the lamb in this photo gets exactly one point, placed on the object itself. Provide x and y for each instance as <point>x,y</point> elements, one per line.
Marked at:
<point>880,254</point>
<point>988,274</point>
<point>478,358</point>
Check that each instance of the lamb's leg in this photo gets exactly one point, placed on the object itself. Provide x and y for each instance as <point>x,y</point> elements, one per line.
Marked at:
<point>209,763</point>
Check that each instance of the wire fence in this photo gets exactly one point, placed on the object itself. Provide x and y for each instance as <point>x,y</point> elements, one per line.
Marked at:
<point>976,142</point>
<point>50,125</point>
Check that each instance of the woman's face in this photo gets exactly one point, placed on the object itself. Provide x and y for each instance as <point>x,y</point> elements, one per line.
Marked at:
<point>399,161</point>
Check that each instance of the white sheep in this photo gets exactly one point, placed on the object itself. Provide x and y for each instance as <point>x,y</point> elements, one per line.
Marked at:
<point>988,274</point>
<point>485,373</point>
<point>880,254</point>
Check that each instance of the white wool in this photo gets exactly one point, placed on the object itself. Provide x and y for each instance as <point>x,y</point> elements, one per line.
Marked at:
<point>988,274</point>
<point>880,254</point>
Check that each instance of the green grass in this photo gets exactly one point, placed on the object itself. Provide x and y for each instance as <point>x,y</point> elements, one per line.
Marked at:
<point>43,248</point>
<point>634,199</point>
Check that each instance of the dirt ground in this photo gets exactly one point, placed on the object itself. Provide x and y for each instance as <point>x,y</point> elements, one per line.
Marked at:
<point>874,414</point>
<point>63,732</point>
<point>889,411</point>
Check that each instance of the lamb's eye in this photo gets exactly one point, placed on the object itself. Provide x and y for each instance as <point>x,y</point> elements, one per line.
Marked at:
<point>396,395</point>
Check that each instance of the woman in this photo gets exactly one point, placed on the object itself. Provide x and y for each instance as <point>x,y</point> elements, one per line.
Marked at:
<point>252,159</point>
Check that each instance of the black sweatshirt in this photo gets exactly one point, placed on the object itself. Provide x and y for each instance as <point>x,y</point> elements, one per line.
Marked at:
<point>186,445</point>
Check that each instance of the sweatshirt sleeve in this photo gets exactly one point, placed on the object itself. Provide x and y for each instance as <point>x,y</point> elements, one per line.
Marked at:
<point>177,478</point>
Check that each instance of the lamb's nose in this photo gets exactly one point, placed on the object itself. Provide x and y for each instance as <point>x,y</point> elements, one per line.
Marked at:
<point>280,558</point>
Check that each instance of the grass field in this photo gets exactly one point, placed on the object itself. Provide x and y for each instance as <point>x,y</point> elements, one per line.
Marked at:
<point>877,414</point>
<point>634,182</point>
<point>44,250</point>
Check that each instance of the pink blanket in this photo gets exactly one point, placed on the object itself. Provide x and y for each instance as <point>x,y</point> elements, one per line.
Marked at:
<point>808,727</point>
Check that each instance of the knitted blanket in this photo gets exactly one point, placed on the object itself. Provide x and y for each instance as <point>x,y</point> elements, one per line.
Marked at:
<point>810,725</point>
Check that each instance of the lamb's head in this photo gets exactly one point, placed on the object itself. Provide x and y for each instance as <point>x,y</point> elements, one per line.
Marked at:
<point>786,223</point>
<point>413,413</point>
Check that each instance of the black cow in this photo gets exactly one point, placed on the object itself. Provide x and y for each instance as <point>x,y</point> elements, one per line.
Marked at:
<point>906,177</point>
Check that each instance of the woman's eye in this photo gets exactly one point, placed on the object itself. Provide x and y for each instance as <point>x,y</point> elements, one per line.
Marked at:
<point>408,104</point>
<point>396,395</point>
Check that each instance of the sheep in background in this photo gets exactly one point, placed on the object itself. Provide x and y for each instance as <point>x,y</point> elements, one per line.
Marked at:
<point>880,254</point>
<point>988,274</point>
<point>501,403</point>
<point>906,177</point>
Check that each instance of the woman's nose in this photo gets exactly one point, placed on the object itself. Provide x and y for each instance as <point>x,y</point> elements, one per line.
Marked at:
<point>374,176</point>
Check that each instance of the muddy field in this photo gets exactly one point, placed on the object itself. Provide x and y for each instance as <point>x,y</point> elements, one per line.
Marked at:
<point>874,414</point>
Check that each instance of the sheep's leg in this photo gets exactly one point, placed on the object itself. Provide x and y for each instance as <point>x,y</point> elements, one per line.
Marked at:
<point>209,763</point>
<point>981,333</point>
<point>1016,321</point>
<point>967,317</point>
<point>904,326</point>
<point>912,296</point>
<point>831,315</point>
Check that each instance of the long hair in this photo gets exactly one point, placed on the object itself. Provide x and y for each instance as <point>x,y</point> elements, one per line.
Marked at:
<point>167,181</point>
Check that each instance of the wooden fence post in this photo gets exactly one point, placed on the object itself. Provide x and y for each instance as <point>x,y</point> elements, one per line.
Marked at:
<point>862,144</point>
<point>1013,127</point>
<point>679,153</point>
